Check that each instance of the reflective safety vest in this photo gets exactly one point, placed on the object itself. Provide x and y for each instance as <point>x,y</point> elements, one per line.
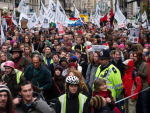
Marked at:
<point>45,61</point>
<point>113,79</point>
<point>82,99</point>
<point>18,75</point>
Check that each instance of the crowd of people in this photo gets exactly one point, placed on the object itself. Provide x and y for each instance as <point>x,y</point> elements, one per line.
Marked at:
<point>45,72</point>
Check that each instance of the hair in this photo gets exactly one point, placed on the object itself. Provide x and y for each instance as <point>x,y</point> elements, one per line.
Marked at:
<point>23,83</point>
<point>82,84</point>
<point>97,83</point>
<point>9,105</point>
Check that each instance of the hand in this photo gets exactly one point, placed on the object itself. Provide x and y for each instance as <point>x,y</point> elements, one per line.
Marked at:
<point>16,101</point>
<point>108,100</point>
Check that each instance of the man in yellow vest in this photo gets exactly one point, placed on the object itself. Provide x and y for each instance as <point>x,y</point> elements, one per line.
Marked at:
<point>110,73</point>
<point>47,59</point>
<point>11,77</point>
<point>72,101</point>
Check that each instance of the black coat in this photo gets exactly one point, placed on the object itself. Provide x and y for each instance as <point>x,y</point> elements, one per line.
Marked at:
<point>72,105</point>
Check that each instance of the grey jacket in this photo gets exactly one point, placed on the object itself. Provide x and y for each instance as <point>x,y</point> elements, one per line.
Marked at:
<point>90,74</point>
<point>39,106</point>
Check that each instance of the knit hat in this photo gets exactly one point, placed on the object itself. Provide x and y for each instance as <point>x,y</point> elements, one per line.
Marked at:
<point>96,102</point>
<point>73,59</point>
<point>4,88</point>
<point>73,64</point>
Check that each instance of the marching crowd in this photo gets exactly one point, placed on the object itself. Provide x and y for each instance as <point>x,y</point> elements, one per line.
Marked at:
<point>44,72</point>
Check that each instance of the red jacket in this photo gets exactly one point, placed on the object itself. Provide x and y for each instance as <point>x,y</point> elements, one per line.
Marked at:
<point>129,81</point>
<point>148,76</point>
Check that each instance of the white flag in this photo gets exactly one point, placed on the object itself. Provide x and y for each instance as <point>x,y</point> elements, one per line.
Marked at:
<point>60,16</point>
<point>121,19</point>
<point>3,38</point>
<point>45,23</point>
<point>97,16</point>
<point>14,18</point>
<point>76,12</point>
<point>23,7</point>
<point>32,21</point>
<point>144,17</point>
<point>42,13</point>
<point>51,11</point>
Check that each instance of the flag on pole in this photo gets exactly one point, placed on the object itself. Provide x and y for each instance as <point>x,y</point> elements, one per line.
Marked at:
<point>14,18</point>
<point>23,7</point>
<point>97,16</point>
<point>76,12</point>
<point>51,11</point>
<point>3,38</point>
<point>32,21</point>
<point>121,19</point>
<point>60,16</point>
<point>144,20</point>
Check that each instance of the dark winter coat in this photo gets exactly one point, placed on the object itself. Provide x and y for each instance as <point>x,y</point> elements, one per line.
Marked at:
<point>40,77</point>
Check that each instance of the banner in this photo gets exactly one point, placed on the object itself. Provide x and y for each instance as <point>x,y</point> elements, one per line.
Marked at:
<point>99,47</point>
<point>23,7</point>
<point>3,38</point>
<point>134,35</point>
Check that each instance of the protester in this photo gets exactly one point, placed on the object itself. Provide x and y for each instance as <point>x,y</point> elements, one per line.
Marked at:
<point>48,54</point>
<point>110,73</point>
<point>39,75</point>
<point>29,101</point>
<point>72,101</point>
<point>11,77</point>
<point>6,103</point>
<point>132,85</point>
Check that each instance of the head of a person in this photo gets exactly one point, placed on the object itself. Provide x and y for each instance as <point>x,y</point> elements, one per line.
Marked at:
<point>9,67</point>
<point>78,54</point>
<point>104,57</point>
<point>63,62</point>
<point>72,84</point>
<point>56,58</point>
<point>42,38</point>
<point>4,48</point>
<point>78,40</point>
<point>6,104</point>
<point>58,71</point>
<point>26,39</point>
<point>26,91</point>
<point>27,50</point>
<point>63,54</point>
<point>3,57</point>
<point>36,61</point>
<point>96,57</point>
<point>117,55</point>
<point>47,50</point>
<point>16,53</point>
<point>100,85</point>
<point>21,46</point>
<point>121,47</point>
